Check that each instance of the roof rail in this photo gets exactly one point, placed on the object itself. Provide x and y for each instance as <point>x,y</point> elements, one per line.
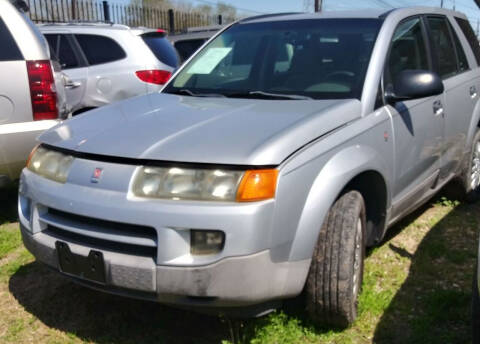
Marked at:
<point>262,16</point>
<point>83,22</point>
<point>204,28</point>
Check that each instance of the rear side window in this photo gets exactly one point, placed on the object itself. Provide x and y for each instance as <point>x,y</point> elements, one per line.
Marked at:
<point>100,49</point>
<point>62,49</point>
<point>162,49</point>
<point>462,59</point>
<point>9,50</point>
<point>471,37</point>
<point>187,48</point>
<point>443,47</point>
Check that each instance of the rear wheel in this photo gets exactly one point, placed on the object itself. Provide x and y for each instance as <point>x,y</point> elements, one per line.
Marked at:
<point>471,177</point>
<point>336,272</point>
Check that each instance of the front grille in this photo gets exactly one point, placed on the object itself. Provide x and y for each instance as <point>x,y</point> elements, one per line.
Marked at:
<point>101,234</point>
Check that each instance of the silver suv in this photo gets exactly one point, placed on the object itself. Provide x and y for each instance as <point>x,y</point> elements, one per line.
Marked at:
<point>110,62</point>
<point>269,162</point>
<point>32,95</point>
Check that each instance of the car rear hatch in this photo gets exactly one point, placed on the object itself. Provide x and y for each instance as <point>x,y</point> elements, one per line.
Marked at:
<point>164,52</point>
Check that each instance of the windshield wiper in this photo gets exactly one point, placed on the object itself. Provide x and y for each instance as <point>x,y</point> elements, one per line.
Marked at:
<point>267,95</point>
<point>185,91</point>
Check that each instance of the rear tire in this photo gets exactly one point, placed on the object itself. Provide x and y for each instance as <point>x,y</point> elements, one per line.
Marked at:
<point>471,175</point>
<point>336,273</point>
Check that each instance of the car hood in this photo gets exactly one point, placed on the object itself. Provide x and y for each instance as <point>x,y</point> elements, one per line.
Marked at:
<point>202,130</point>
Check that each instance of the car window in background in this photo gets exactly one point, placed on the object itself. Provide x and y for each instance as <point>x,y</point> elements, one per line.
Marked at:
<point>161,48</point>
<point>100,49</point>
<point>62,49</point>
<point>443,47</point>
<point>9,50</point>
<point>188,47</point>
<point>408,49</point>
<point>471,37</point>
<point>321,59</point>
<point>462,58</point>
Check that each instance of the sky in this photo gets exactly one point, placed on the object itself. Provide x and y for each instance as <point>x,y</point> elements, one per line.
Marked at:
<point>253,7</point>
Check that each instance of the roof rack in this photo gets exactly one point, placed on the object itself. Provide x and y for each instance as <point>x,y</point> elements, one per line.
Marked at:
<point>263,16</point>
<point>83,22</point>
<point>204,28</point>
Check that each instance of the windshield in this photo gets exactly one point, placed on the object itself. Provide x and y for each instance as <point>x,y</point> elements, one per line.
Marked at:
<point>301,59</point>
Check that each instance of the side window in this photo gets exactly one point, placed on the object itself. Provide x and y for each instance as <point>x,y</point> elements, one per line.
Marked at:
<point>188,47</point>
<point>52,40</point>
<point>62,49</point>
<point>462,59</point>
<point>284,55</point>
<point>9,50</point>
<point>471,37</point>
<point>100,49</point>
<point>443,47</point>
<point>407,51</point>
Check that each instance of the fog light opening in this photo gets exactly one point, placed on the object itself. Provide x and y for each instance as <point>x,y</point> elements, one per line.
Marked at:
<point>204,242</point>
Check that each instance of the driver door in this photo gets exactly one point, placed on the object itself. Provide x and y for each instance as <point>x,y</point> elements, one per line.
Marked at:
<point>418,124</point>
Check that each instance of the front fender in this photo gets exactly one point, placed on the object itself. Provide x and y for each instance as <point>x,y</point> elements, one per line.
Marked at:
<point>340,169</point>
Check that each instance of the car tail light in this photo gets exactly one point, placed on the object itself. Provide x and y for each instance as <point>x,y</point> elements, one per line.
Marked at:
<point>154,76</point>
<point>42,90</point>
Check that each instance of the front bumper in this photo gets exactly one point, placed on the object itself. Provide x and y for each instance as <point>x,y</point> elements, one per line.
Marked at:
<point>235,281</point>
<point>243,273</point>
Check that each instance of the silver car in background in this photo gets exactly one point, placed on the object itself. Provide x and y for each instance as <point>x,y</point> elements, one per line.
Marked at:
<point>110,62</point>
<point>32,94</point>
<point>267,164</point>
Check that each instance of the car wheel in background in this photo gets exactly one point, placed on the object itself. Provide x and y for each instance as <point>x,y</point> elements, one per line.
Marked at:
<point>336,272</point>
<point>475,309</point>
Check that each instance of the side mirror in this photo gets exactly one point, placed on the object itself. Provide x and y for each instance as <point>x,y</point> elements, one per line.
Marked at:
<point>414,84</point>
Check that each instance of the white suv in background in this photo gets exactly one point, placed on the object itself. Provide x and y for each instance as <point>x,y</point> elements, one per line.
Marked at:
<point>109,62</point>
<point>32,95</point>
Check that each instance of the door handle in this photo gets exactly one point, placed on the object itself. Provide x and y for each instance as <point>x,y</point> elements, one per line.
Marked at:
<point>438,108</point>
<point>72,84</point>
<point>473,92</point>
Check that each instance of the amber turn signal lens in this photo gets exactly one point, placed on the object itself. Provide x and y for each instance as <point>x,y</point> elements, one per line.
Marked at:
<point>257,185</point>
<point>31,154</point>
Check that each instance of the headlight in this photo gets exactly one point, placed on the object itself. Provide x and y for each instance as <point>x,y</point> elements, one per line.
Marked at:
<point>200,184</point>
<point>50,164</point>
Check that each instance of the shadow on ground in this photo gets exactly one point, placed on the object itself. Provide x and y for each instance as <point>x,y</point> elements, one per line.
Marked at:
<point>8,204</point>
<point>103,318</point>
<point>433,304</point>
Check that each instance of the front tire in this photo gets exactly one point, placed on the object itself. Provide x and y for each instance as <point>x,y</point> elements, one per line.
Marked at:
<point>336,273</point>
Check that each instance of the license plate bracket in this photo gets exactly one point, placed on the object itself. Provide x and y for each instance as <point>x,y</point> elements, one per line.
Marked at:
<point>91,268</point>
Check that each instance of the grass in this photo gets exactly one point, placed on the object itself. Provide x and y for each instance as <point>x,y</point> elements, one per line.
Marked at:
<point>417,289</point>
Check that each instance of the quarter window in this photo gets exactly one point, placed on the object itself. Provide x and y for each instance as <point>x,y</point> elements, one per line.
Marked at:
<point>9,50</point>
<point>443,47</point>
<point>100,49</point>
<point>408,49</point>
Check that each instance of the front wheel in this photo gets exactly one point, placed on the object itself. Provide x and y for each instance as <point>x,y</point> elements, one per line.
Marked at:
<point>336,273</point>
